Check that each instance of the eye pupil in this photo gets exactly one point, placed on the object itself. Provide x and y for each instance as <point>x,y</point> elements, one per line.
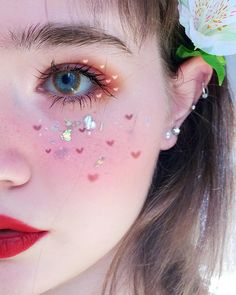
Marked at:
<point>66,82</point>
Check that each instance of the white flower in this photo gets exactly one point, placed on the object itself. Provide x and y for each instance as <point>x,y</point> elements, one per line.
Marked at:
<point>210,24</point>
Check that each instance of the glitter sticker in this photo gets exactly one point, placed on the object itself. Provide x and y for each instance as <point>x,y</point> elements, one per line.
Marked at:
<point>68,123</point>
<point>99,162</point>
<point>108,81</point>
<point>61,153</point>
<point>92,177</point>
<point>85,61</point>
<point>55,127</point>
<point>66,135</point>
<point>114,77</point>
<point>136,155</point>
<point>89,123</point>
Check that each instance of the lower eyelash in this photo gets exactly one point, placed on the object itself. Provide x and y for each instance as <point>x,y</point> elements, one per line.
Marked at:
<point>82,100</point>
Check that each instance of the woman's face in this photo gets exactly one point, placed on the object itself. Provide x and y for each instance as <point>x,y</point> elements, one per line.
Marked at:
<point>82,170</point>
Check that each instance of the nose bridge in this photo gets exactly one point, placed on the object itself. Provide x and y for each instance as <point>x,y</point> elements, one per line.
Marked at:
<point>14,168</point>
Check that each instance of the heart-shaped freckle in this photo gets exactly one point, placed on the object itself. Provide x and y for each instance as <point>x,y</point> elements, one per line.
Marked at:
<point>80,151</point>
<point>37,127</point>
<point>85,61</point>
<point>108,81</point>
<point>82,129</point>
<point>116,89</point>
<point>129,117</point>
<point>92,177</point>
<point>48,151</point>
<point>102,66</point>
<point>135,155</point>
<point>110,142</point>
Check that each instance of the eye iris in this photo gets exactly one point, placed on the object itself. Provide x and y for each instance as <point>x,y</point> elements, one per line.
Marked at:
<point>67,82</point>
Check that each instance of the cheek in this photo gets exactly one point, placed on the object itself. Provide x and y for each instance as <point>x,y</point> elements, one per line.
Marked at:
<point>95,150</point>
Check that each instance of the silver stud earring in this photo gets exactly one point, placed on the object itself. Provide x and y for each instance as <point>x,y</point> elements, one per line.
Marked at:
<point>205,91</point>
<point>175,131</point>
<point>193,107</point>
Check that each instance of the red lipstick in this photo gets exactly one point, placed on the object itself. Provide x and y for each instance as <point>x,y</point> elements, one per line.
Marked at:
<point>16,236</point>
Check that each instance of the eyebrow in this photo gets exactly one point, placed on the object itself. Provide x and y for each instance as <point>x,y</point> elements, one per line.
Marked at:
<point>43,36</point>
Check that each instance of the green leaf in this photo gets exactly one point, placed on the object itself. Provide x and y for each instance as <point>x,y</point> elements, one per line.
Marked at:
<point>216,62</point>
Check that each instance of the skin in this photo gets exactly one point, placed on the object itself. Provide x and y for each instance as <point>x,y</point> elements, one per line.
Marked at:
<point>86,209</point>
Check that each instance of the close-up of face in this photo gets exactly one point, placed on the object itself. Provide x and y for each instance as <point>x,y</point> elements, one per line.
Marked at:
<point>82,125</point>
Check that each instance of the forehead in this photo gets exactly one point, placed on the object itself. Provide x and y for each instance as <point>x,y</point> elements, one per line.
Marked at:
<point>21,14</point>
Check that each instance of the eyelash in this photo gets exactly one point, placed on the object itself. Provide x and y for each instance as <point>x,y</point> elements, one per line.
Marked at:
<point>83,70</point>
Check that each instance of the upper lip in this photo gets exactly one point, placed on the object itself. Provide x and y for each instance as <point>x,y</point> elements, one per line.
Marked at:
<point>7,222</point>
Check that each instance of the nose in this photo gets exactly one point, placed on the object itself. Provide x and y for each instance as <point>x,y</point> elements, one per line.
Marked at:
<point>14,169</point>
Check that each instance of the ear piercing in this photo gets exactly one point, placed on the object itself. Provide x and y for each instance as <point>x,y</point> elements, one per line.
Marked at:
<point>205,91</point>
<point>205,95</point>
<point>174,131</point>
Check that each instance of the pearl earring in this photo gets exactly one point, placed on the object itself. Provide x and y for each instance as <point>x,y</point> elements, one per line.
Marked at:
<point>174,131</point>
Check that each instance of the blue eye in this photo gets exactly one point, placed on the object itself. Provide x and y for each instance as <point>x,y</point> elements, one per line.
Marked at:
<point>69,82</point>
<point>72,84</point>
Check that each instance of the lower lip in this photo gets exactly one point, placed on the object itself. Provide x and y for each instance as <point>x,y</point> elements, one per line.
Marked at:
<point>15,242</point>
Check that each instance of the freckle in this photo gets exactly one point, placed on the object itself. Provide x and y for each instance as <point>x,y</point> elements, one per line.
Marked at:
<point>108,81</point>
<point>114,77</point>
<point>79,151</point>
<point>92,177</point>
<point>136,155</point>
<point>110,142</point>
<point>102,66</point>
<point>116,89</point>
<point>129,116</point>
<point>37,127</point>
<point>85,61</point>
<point>48,151</point>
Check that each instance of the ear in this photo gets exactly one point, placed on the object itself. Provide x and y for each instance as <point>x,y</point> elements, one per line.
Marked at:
<point>186,90</point>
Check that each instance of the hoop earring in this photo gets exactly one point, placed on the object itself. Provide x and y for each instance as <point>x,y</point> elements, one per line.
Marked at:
<point>205,91</point>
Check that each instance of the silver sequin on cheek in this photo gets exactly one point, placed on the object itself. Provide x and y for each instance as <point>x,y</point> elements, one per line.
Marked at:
<point>89,123</point>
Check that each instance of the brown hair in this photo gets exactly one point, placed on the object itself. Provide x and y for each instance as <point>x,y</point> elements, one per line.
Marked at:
<point>176,243</point>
